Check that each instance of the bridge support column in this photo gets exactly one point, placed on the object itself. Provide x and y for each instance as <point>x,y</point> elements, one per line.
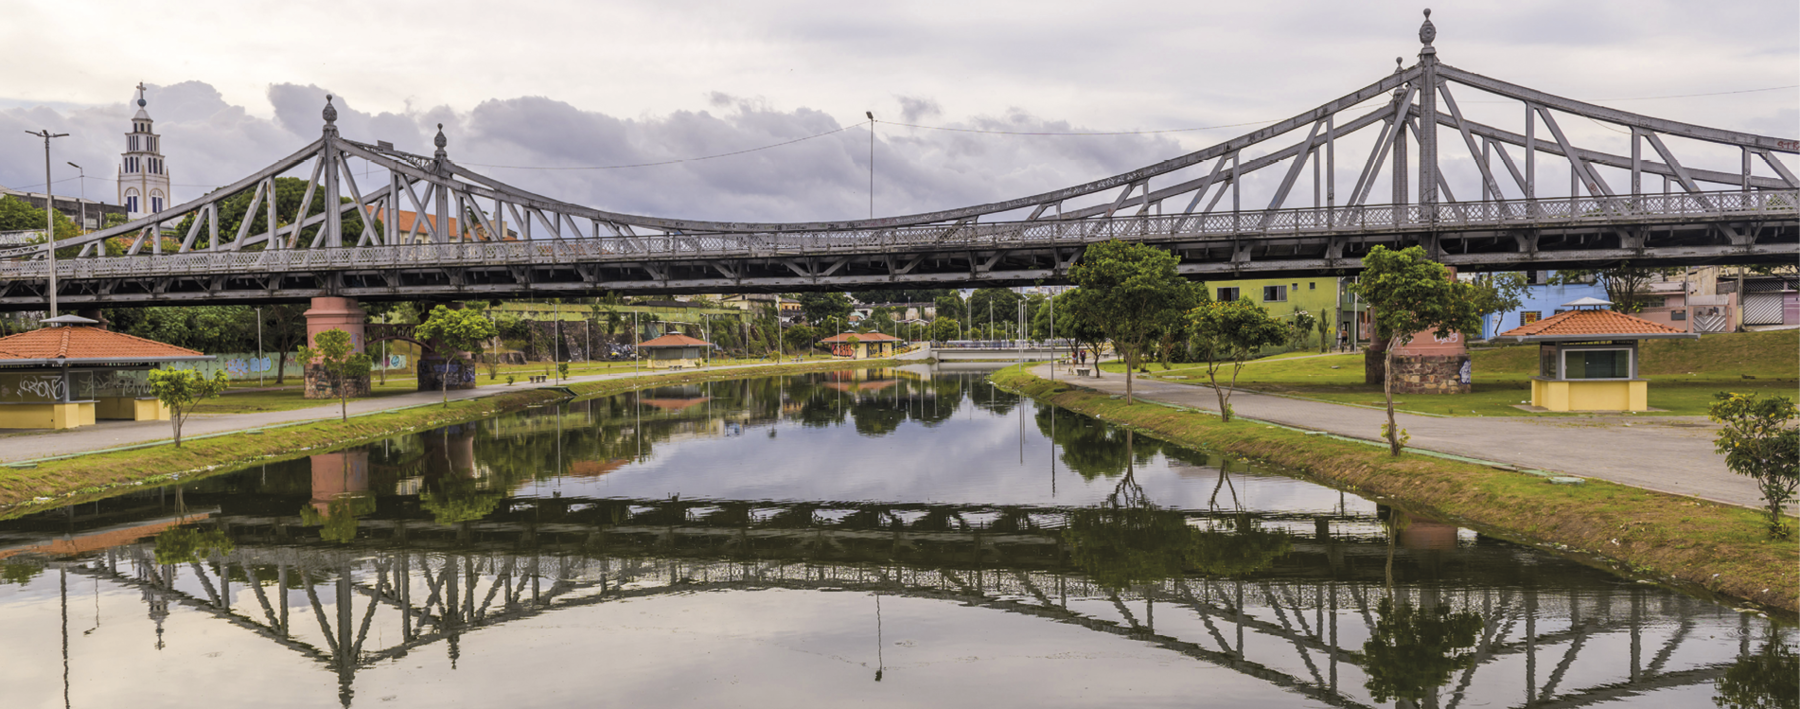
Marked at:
<point>436,365</point>
<point>331,313</point>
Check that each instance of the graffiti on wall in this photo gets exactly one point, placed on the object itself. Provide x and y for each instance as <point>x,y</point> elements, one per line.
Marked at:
<point>43,386</point>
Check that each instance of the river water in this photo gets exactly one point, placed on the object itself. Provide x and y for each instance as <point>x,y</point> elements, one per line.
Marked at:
<point>898,537</point>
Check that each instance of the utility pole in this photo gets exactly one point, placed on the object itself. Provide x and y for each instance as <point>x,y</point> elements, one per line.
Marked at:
<point>50,213</point>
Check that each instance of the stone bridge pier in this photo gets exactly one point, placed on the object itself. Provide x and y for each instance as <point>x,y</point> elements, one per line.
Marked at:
<point>332,313</point>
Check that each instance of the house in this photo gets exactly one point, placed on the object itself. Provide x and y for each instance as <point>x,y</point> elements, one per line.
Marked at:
<point>862,345</point>
<point>673,351</point>
<point>1588,357</point>
<point>1539,301</point>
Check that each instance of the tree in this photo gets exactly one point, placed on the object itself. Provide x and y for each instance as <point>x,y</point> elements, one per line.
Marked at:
<point>1132,287</point>
<point>18,215</point>
<point>1303,326</point>
<point>181,389</point>
<point>340,363</point>
<point>1408,293</point>
<point>1498,293</point>
<point>999,306</point>
<point>1077,329</point>
<point>456,332</point>
<point>820,307</point>
<point>1324,324</point>
<point>899,295</point>
<point>289,192</point>
<point>799,338</point>
<point>950,305</point>
<point>1172,322</point>
<point>944,329</point>
<point>1231,332</point>
<point>1624,284</point>
<point>1758,442</point>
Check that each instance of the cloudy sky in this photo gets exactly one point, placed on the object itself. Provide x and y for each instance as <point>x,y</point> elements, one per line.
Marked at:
<point>522,87</point>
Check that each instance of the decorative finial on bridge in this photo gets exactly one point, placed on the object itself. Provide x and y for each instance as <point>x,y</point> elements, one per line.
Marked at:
<point>330,112</point>
<point>1427,33</point>
<point>440,141</point>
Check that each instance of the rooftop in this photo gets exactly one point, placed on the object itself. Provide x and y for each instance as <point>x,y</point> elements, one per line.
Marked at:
<point>81,343</point>
<point>675,339</point>
<point>862,337</point>
<point>1591,324</point>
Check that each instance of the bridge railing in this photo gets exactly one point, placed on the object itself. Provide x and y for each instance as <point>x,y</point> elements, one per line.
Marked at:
<point>1259,224</point>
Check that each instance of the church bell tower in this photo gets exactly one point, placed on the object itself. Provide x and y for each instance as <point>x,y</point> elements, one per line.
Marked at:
<point>143,177</point>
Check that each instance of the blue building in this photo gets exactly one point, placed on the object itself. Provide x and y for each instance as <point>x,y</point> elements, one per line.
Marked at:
<point>1540,300</point>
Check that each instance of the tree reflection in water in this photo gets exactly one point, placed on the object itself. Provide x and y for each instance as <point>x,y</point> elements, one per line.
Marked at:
<point>1128,541</point>
<point>338,522</point>
<point>1769,679</point>
<point>1413,649</point>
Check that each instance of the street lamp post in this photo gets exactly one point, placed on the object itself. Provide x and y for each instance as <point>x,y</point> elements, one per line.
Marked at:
<point>871,115</point>
<point>49,213</point>
<point>83,225</point>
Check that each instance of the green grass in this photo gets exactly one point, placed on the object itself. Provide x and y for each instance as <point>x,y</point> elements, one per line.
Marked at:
<point>1683,374</point>
<point>1700,546</point>
<point>247,397</point>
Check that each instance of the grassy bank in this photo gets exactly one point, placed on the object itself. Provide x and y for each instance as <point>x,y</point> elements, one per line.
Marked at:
<point>1683,374</point>
<point>1700,546</point>
<point>78,478</point>
<point>247,396</point>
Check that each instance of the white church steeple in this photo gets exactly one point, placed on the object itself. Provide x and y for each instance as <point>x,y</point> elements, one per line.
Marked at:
<point>143,177</point>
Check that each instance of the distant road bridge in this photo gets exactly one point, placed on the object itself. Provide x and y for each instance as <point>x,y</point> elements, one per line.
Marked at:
<point>1236,209</point>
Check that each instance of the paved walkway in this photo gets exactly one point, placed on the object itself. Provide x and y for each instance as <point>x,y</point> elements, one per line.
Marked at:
<point>1665,453</point>
<point>113,434</point>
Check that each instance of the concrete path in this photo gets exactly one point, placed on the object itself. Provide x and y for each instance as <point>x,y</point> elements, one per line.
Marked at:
<point>31,445</point>
<point>1665,453</point>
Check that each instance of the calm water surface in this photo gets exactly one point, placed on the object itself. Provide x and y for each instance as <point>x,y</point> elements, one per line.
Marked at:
<point>876,538</point>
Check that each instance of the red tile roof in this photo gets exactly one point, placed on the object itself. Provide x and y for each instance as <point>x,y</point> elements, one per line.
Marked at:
<point>81,342</point>
<point>863,337</point>
<point>1596,323</point>
<point>675,339</point>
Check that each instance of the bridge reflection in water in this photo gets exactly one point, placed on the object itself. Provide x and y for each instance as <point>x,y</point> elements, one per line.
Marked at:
<point>354,560</point>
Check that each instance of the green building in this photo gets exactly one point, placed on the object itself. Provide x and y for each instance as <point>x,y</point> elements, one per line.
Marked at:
<point>1283,297</point>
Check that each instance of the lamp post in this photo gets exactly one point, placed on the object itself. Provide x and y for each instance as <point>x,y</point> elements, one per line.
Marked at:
<point>871,115</point>
<point>83,202</point>
<point>50,213</point>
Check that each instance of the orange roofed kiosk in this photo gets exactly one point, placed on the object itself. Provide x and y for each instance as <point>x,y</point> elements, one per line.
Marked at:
<point>673,351</point>
<point>1588,358</point>
<point>70,374</point>
<point>867,345</point>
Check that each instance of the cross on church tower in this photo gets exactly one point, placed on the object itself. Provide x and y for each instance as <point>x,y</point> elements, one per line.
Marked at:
<point>143,177</point>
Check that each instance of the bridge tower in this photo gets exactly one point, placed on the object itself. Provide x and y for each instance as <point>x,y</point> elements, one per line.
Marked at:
<point>330,312</point>
<point>143,176</point>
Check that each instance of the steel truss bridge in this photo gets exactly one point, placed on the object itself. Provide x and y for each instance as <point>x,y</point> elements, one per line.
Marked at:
<point>418,584</point>
<point>1666,193</point>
